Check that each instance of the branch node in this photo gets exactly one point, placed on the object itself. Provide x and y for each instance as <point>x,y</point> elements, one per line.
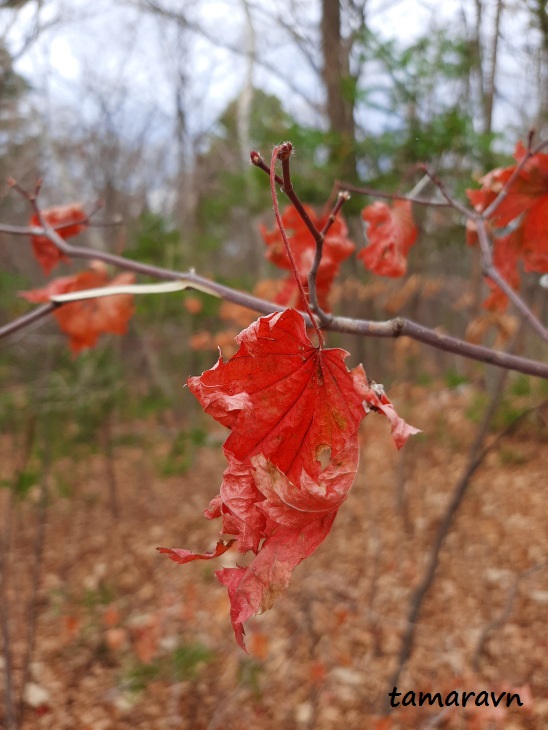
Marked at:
<point>398,325</point>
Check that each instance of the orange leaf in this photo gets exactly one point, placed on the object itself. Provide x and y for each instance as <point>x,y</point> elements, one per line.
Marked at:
<point>391,232</point>
<point>68,220</point>
<point>84,321</point>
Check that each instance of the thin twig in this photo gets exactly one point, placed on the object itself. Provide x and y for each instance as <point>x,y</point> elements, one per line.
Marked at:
<point>491,272</point>
<point>342,197</point>
<point>373,193</point>
<point>286,185</point>
<point>283,152</point>
<point>258,161</point>
<point>466,212</point>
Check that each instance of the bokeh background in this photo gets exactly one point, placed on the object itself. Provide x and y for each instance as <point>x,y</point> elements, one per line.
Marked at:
<point>152,106</point>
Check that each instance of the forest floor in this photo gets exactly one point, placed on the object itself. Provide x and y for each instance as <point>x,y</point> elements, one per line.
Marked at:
<point>125,638</point>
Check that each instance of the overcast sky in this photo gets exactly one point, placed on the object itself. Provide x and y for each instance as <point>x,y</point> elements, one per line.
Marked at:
<point>106,45</point>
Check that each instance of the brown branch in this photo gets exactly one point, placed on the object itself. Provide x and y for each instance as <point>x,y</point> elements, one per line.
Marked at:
<point>398,327</point>
<point>466,212</point>
<point>289,190</point>
<point>258,161</point>
<point>283,153</point>
<point>342,197</point>
<point>286,185</point>
<point>391,328</point>
<point>364,190</point>
<point>26,319</point>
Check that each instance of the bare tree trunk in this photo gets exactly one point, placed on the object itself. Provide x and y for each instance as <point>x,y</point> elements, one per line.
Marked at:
<point>540,13</point>
<point>490,87</point>
<point>339,88</point>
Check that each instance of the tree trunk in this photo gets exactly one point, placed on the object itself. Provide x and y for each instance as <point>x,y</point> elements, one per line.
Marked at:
<point>339,85</point>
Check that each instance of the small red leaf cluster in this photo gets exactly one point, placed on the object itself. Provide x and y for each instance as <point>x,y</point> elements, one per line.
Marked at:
<point>68,221</point>
<point>519,224</point>
<point>85,320</point>
<point>337,247</point>
<point>293,410</point>
<point>391,232</point>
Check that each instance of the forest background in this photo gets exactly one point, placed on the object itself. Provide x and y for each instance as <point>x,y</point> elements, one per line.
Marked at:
<point>153,107</point>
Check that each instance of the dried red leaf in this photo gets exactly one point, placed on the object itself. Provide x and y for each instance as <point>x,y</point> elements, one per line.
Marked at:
<point>85,320</point>
<point>337,247</point>
<point>294,411</point>
<point>525,207</point>
<point>68,220</point>
<point>391,232</point>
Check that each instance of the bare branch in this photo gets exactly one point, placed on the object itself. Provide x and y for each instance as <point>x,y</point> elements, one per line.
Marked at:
<point>398,327</point>
<point>364,190</point>
<point>342,197</point>
<point>283,153</point>
<point>450,200</point>
<point>27,319</point>
<point>491,272</point>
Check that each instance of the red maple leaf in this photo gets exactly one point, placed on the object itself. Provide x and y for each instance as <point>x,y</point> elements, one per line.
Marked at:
<point>293,410</point>
<point>68,220</point>
<point>85,320</point>
<point>391,232</point>
<point>337,247</point>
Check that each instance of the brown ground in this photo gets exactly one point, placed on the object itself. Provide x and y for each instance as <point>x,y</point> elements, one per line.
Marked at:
<point>125,638</point>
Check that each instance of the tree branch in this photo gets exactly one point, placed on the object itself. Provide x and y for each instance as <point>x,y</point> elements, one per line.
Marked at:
<point>364,190</point>
<point>490,271</point>
<point>397,327</point>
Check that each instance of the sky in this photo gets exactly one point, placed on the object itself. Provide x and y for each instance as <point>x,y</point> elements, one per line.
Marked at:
<point>106,45</point>
<point>113,42</point>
